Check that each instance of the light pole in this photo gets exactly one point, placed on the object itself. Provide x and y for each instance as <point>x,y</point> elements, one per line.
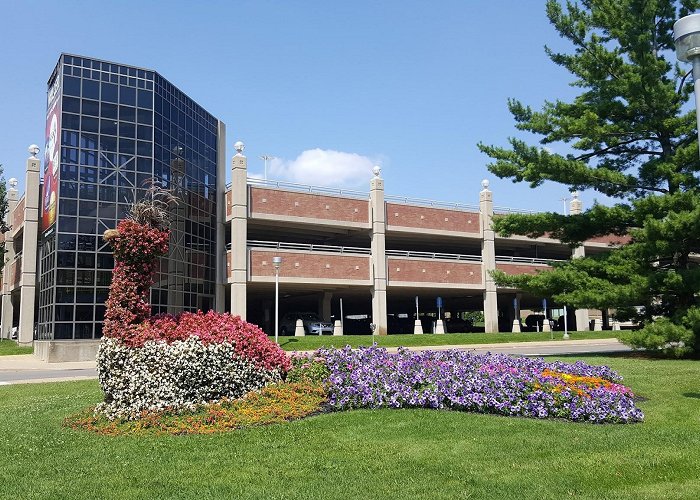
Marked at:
<point>686,34</point>
<point>277,263</point>
<point>266,158</point>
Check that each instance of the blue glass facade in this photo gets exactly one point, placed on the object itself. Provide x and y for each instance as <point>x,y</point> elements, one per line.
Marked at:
<point>120,128</point>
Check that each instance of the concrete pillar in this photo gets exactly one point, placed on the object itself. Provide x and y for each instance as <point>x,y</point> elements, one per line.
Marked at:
<point>239,232</point>
<point>488,258</point>
<point>378,255</point>
<point>29,251</point>
<point>220,272</point>
<point>582,318</point>
<point>516,326</point>
<point>337,328</point>
<point>324,309</point>
<point>616,325</point>
<point>299,329</point>
<point>7,309</point>
<point>418,328</point>
<point>597,325</point>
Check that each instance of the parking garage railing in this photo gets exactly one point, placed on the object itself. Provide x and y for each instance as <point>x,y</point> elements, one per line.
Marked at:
<point>431,203</point>
<point>433,255</point>
<point>309,247</point>
<point>524,260</point>
<point>305,188</point>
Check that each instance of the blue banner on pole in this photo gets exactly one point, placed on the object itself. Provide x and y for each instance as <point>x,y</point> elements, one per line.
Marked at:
<point>439,302</point>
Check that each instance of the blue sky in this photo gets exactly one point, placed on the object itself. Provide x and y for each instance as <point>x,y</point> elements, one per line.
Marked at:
<point>328,87</point>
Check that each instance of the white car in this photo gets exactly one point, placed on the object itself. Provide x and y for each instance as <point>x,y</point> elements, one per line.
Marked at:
<point>313,325</point>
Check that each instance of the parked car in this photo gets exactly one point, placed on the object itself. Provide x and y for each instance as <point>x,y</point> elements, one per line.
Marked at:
<point>313,325</point>
<point>458,325</point>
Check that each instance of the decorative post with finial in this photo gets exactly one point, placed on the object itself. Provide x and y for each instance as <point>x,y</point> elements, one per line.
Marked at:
<point>488,258</point>
<point>575,208</point>
<point>378,261</point>
<point>7,308</point>
<point>239,231</point>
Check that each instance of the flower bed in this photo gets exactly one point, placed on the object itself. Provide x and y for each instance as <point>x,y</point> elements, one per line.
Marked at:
<point>181,361</point>
<point>484,383</point>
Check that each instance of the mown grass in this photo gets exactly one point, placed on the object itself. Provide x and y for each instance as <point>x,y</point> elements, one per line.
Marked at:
<point>311,342</point>
<point>10,347</point>
<point>364,454</point>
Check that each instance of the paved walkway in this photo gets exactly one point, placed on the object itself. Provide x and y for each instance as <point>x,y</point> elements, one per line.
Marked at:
<point>25,369</point>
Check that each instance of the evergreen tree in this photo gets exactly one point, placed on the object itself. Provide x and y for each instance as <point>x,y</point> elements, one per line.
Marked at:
<point>633,137</point>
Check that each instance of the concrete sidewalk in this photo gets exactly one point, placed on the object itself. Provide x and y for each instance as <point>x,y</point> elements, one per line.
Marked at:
<point>26,368</point>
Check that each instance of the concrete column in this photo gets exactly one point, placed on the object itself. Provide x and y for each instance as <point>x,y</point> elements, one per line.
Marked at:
<point>220,272</point>
<point>324,310</point>
<point>582,319</point>
<point>488,258</point>
<point>29,251</point>
<point>239,231</point>
<point>378,256</point>
<point>7,309</point>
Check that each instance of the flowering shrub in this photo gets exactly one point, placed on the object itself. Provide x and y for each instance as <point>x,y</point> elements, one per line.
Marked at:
<point>180,375</point>
<point>137,248</point>
<point>485,383</point>
<point>249,341</point>
<point>308,368</point>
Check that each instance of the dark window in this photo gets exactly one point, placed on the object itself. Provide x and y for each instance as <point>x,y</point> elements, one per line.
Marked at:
<point>86,243</point>
<point>88,141</point>
<point>65,277</point>
<point>109,92</point>
<point>83,313</point>
<point>88,208</point>
<point>127,113</point>
<point>66,224</point>
<point>144,148</point>
<point>108,126</point>
<point>71,86</point>
<point>108,143</point>
<point>104,278</point>
<point>91,108</point>
<point>91,89</point>
<point>107,193</point>
<point>69,138</point>
<point>83,330</point>
<point>105,261</point>
<point>64,313</point>
<point>66,259</point>
<point>144,132</point>
<point>85,278</point>
<point>109,111</point>
<point>86,260</point>
<point>66,241</point>
<point>90,124</point>
<point>70,121</point>
<point>145,99</point>
<point>127,146</point>
<point>86,225</point>
<point>71,104</point>
<point>69,172</point>
<point>127,95</point>
<point>145,117</point>
<point>64,294</point>
<point>88,158</point>
<point>63,331</point>
<point>127,130</point>
<point>88,174</point>
<point>84,295</point>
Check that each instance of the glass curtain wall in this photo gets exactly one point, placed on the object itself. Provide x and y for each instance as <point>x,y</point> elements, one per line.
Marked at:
<point>122,128</point>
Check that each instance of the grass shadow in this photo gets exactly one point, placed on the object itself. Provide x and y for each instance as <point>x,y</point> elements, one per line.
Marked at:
<point>694,395</point>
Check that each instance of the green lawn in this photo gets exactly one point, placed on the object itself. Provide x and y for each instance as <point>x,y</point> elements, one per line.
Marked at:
<point>310,342</point>
<point>8,347</point>
<point>365,454</point>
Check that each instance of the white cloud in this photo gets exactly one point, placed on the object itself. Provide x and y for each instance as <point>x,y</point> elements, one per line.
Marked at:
<point>324,167</point>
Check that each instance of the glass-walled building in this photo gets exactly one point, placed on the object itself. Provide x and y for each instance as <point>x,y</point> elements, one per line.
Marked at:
<point>111,131</point>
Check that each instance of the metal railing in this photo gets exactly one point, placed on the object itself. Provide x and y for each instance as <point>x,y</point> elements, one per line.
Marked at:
<point>304,188</point>
<point>463,207</point>
<point>433,255</point>
<point>507,210</point>
<point>524,260</point>
<point>309,247</point>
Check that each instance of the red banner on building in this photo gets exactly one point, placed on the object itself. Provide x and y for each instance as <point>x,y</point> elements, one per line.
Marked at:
<point>52,155</point>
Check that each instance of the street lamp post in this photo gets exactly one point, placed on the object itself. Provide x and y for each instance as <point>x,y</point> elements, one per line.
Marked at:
<point>266,158</point>
<point>686,34</point>
<point>277,263</point>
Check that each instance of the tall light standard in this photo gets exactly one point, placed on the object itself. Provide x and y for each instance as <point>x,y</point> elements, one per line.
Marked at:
<point>686,34</point>
<point>266,158</point>
<point>277,263</point>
